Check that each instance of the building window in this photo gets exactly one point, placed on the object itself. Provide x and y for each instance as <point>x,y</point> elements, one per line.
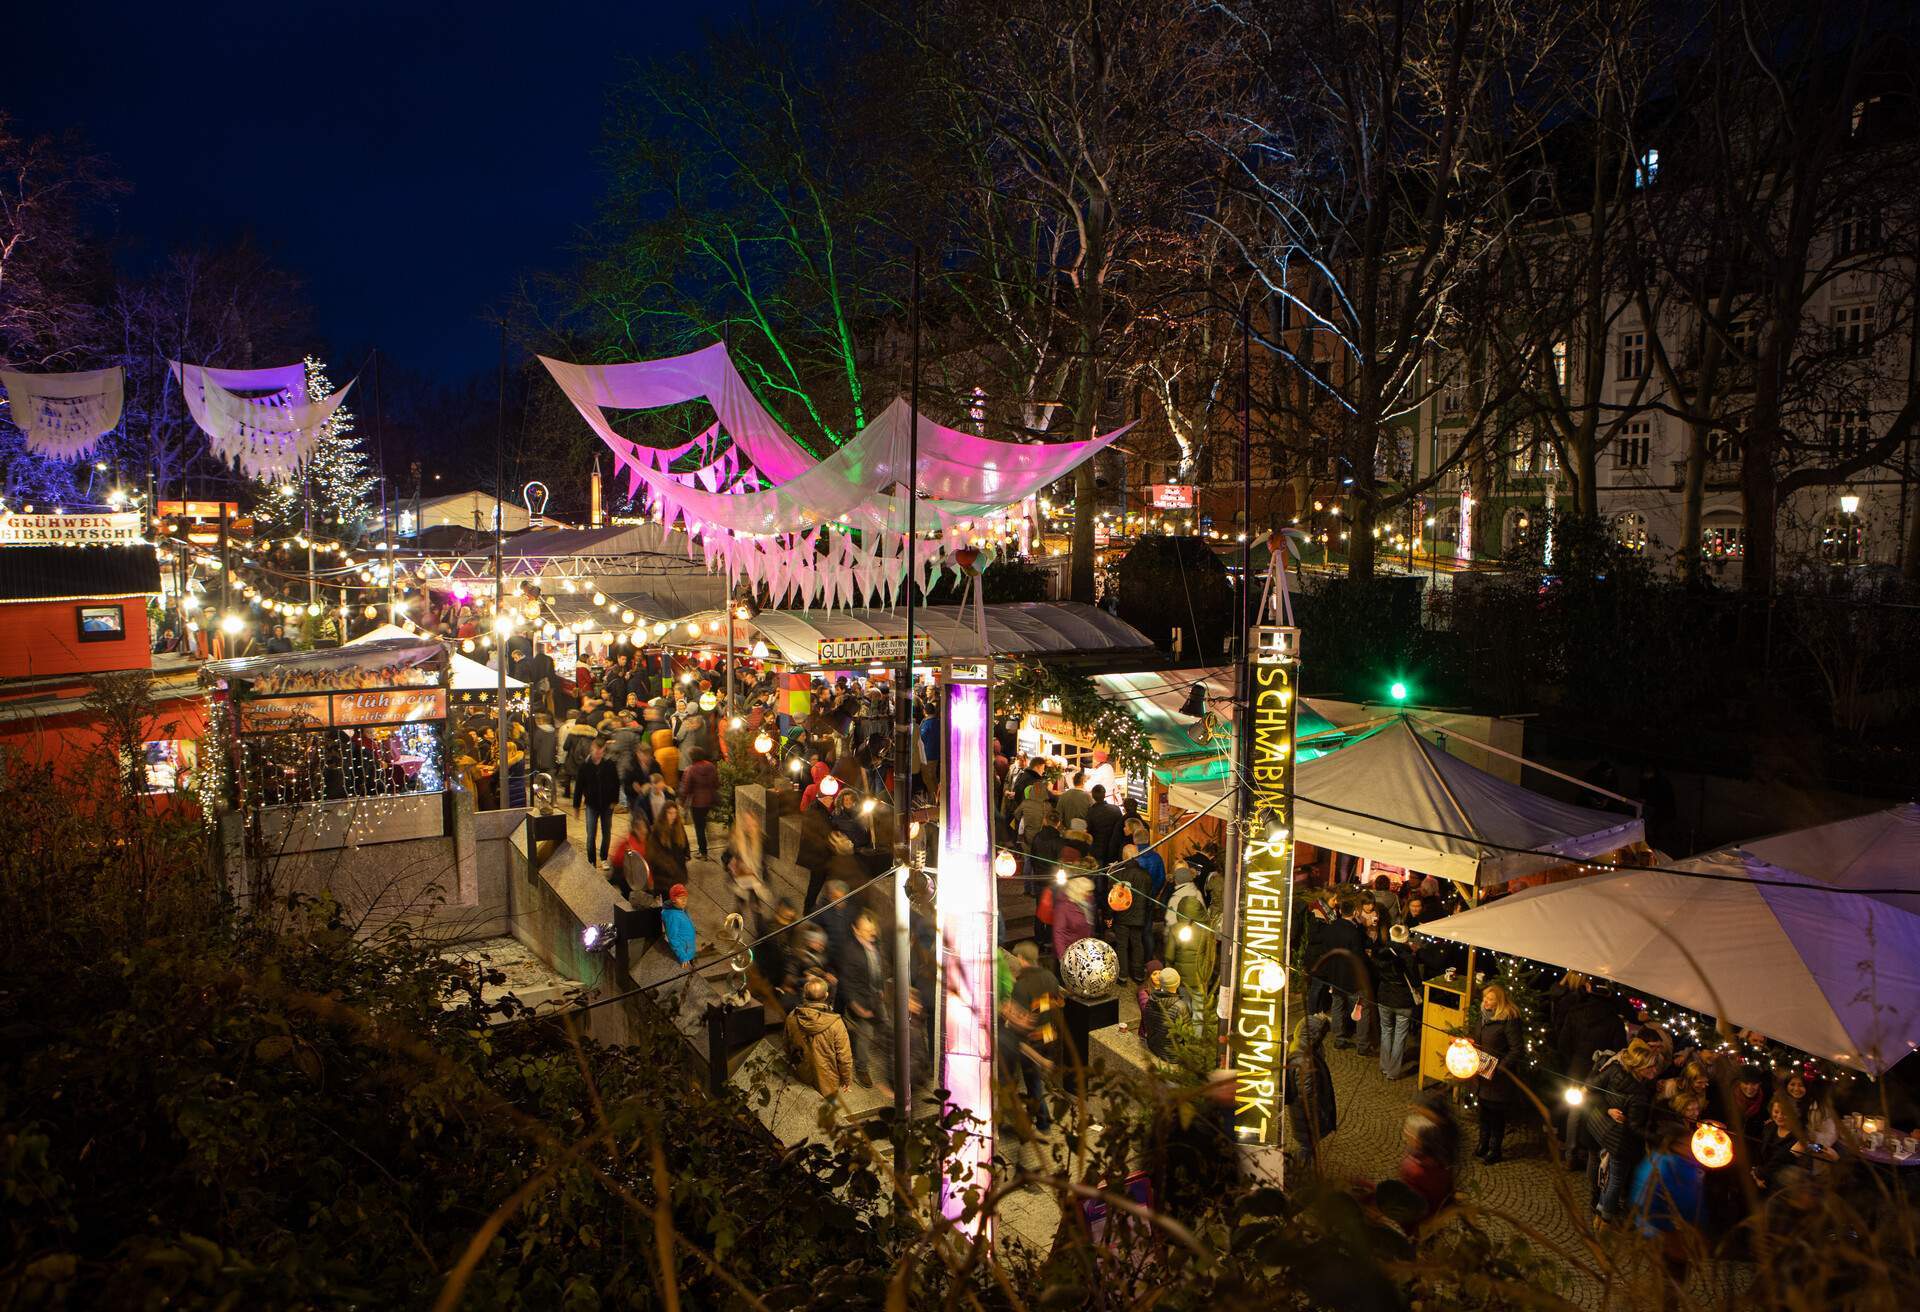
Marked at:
<point>1842,538</point>
<point>1630,530</point>
<point>1633,449</point>
<point>1724,443</point>
<point>1560,363</point>
<point>1523,531</point>
<point>1743,335</point>
<point>1849,431</point>
<point>1647,167</point>
<point>1633,355</point>
<point>1852,326</point>
<point>1857,232</point>
<point>1723,542</point>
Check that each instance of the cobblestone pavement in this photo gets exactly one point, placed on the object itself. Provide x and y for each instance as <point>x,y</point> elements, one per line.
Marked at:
<point>1527,1188</point>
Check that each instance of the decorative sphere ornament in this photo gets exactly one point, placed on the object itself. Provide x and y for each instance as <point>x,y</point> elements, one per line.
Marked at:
<point>1089,969</point>
<point>1712,1145</point>
<point>1463,1059</point>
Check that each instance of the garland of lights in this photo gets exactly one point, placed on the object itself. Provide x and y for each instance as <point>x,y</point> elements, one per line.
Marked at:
<point>1031,687</point>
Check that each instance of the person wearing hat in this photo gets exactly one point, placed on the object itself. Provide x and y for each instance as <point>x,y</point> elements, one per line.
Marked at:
<point>1170,1007</point>
<point>1076,846</point>
<point>678,926</point>
<point>1072,914</point>
<point>1191,944</point>
<point>817,1040</point>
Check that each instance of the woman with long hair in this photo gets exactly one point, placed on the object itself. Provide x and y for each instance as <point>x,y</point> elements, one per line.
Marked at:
<point>668,849</point>
<point>1502,1037</point>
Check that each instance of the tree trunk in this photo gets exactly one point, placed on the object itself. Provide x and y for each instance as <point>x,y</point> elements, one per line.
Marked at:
<point>1693,493</point>
<point>1085,511</point>
<point>1759,506</point>
<point>1360,539</point>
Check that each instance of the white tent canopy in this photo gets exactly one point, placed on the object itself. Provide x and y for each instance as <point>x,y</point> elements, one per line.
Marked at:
<point>463,673</point>
<point>1878,851</point>
<point>1028,628</point>
<point>1392,796</point>
<point>1833,973</point>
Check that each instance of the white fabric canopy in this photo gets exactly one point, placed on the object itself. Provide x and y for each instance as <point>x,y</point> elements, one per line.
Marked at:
<point>63,415</point>
<point>1879,851</point>
<point>270,431</point>
<point>1392,796</point>
<point>1831,973</point>
<point>1026,628</point>
<point>464,674</point>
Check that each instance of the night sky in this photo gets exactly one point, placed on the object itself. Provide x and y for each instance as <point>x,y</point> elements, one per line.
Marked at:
<point>411,162</point>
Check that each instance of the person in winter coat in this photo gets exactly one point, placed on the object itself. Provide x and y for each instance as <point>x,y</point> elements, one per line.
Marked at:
<point>1072,914</point>
<point>816,850</point>
<point>1340,966</point>
<point>1502,1037</point>
<point>1031,814</point>
<point>1192,946</point>
<point>817,1041</point>
<point>1618,1118</point>
<point>1169,1008</point>
<point>1104,821</point>
<point>678,926</point>
<point>667,757</point>
<point>1132,942</point>
<point>862,991</point>
<point>667,848</point>
<point>1393,971</point>
<point>1310,1089</point>
<point>700,790</point>
<point>1584,1022</point>
<point>633,843</point>
<point>1043,852</point>
<point>812,791</point>
<point>597,787</point>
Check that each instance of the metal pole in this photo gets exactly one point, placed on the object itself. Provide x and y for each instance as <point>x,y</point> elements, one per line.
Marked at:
<point>380,441</point>
<point>501,632</point>
<point>306,522</point>
<point>226,575</point>
<point>1242,717</point>
<point>903,773</point>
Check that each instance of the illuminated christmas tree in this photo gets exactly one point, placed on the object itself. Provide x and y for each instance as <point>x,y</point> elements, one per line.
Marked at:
<point>340,474</point>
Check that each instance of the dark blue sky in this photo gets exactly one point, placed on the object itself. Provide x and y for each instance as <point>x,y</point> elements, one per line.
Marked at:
<point>410,161</point>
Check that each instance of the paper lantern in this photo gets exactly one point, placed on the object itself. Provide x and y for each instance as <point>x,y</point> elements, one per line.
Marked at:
<point>1712,1145</point>
<point>763,743</point>
<point>708,701</point>
<point>1005,864</point>
<point>1265,975</point>
<point>1463,1059</point>
<point>829,786</point>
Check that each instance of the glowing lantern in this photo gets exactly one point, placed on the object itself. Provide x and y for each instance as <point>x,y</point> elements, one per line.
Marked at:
<point>1712,1145</point>
<point>763,743</point>
<point>708,701</point>
<point>829,786</point>
<point>693,629</point>
<point>1005,865</point>
<point>1463,1059</point>
<point>1265,975</point>
<point>1575,1095</point>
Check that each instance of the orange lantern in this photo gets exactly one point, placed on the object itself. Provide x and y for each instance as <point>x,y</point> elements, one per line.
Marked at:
<point>1712,1145</point>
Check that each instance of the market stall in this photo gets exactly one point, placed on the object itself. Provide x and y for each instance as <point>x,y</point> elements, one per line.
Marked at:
<point>336,748</point>
<point>1805,956</point>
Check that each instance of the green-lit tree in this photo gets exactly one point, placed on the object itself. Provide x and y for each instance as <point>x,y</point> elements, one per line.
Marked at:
<point>339,479</point>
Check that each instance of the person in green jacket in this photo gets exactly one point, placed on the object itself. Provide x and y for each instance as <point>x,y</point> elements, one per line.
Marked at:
<point>1192,946</point>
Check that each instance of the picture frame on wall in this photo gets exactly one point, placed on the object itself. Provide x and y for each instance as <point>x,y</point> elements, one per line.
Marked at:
<point>100,623</point>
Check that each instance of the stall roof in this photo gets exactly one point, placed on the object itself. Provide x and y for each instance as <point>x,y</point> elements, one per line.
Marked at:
<point>1154,698</point>
<point>1783,951</point>
<point>464,673</point>
<point>1030,628</point>
<point>1393,796</point>
<point>78,573</point>
<point>355,656</point>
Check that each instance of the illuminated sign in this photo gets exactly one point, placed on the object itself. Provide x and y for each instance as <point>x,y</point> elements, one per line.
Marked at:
<point>115,530</point>
<point>1258,1034</point>
<point>966,897</point>
<point>342,710</point>
<point>860,651</point>
<point>1170,496</point>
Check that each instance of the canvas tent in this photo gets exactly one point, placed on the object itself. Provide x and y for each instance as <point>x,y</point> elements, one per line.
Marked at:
<point>1069,630</point>
<point>1732,935</point>
<point>1183,751</point>
<point>463,673</point>
<point>1391,795</point>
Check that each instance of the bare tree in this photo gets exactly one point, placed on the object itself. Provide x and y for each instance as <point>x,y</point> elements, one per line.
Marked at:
<point>1375,155</point>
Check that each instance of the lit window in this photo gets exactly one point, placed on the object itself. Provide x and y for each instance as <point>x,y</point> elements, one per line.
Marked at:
<point>1648,168</point>
<point>1630,530</point>
<point>1842,538</point>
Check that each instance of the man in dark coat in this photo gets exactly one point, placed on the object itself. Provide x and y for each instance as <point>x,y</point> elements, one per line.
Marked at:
<point>1130,923</point>
<point>597,786</point>
<point>1342,965</point>
<point>1104,821</point>
<point>862,986</point>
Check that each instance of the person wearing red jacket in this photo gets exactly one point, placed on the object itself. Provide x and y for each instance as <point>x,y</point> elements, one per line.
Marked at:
<point>700,789</point>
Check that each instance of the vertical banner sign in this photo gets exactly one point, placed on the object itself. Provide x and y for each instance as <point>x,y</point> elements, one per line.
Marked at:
<point>965,896</point>
<point>1260,959</point>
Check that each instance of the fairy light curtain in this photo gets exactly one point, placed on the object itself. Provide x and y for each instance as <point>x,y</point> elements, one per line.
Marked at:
<point>763,510</point>
<point>64,415</point>
<point>260,420</point>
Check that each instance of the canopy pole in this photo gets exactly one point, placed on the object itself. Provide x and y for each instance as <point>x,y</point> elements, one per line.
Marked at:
<point>903,777</point>
<point>502,628</point>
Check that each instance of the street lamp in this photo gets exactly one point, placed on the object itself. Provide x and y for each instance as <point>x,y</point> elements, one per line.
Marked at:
<point>1849,504</point>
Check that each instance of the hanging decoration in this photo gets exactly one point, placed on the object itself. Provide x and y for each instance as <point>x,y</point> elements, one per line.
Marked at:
<point>831,532</point>
<point>260,420</point>
<point>64,415</point>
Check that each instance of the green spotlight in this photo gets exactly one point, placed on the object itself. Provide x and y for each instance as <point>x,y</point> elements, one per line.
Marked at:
<point>1398,691</point>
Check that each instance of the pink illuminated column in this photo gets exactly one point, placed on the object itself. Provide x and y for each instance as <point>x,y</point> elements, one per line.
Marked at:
<point>966,895</point>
